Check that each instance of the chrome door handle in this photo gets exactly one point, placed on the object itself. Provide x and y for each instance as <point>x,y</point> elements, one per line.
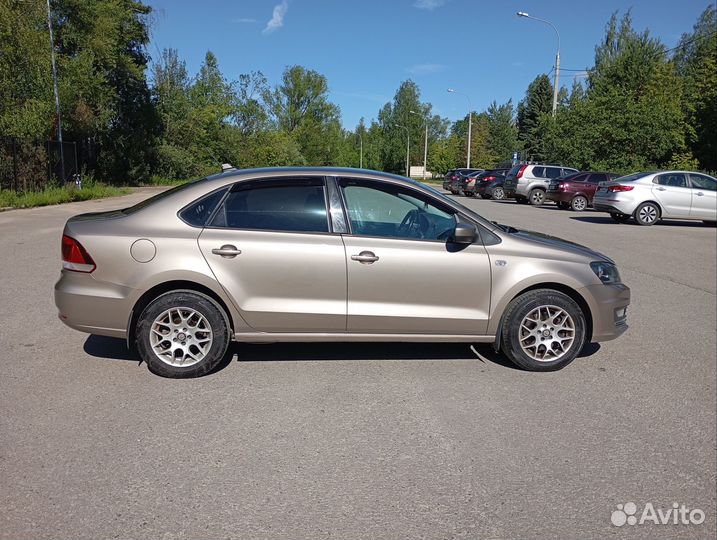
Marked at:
<point>660,189</point>
<point>700,194</point>
<point>227,251</point>
<point>365,257</point>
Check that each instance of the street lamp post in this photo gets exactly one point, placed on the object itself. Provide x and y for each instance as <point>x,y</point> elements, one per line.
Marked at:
<point>425,144</point>
<point>360,150</point>
<point>470,121</point>
<point>556,79</point>
<point>408,148</point>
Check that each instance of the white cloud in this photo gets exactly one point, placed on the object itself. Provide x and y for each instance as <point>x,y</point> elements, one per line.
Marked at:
<point>277,17</point>
<point>245,20</point>
<point>430,5</point>
<point>424,69</point>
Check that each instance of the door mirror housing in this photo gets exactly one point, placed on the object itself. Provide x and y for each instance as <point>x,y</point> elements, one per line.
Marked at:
<point>464,233</point>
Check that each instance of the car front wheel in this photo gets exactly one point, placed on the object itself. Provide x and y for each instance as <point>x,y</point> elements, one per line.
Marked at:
<point>543,330</point>
<point>182,334</point>
<point>648,213</point>
<point>498,194</point>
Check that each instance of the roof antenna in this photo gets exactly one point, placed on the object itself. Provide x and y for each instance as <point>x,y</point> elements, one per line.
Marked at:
<point>227,166</point>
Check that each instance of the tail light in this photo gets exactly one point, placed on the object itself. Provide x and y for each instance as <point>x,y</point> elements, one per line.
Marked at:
<point>562,186</point>
<point>520,171</point>
<point>488,178</point>
<point>75,257</point>
<point>618,187</point>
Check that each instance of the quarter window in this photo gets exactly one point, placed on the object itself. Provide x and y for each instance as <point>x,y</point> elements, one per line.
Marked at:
<point>296,206</point>
<point>387,210</point>
<point>198,212</point>
<point>596,178</point>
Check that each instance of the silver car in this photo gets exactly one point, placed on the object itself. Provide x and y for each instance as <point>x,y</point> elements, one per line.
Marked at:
<point>651,196</point>
<point>326,254</point>
<point>529,182</point>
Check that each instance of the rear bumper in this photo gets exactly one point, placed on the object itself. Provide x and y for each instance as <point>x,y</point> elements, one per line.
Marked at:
<point>608,306</point>
<point>92,306</point>
<point>613,205</point>
<point>559,196</point>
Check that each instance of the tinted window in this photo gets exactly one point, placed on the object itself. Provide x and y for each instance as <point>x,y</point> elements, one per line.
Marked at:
<point>553,172</point>
<point>671,179</point>
<point>596,178</point>
<point>632,177</point>
<point>514,170</point>
<point>387,210</point>
<point>298,206</point>
<point>538,172</point>
<point>582,177</point>
<point>700,181</point>
<point>199,211</point>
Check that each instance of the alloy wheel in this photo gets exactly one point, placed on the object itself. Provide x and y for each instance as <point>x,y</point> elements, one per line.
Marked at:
<point>180,336</point>
<point>547,333</point>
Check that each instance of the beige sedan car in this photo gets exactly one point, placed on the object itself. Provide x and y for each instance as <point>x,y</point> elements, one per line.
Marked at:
<point>326,254</point>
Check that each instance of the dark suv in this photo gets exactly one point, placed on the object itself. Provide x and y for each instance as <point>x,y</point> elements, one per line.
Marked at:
<point>488,184</point>
<point>453,179</point>
<point>576,191</point>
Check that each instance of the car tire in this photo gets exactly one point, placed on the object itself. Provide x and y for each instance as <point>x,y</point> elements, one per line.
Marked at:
<point>498,194</point>
<point>537,197</point>
<point>469,194</point>
<point>620,218</point>
<point>193,316</point>
<point>533,313</point>
<point>648,213</point>
<point>454,192</point>
<point>579,203</point>
<point>563,205</point>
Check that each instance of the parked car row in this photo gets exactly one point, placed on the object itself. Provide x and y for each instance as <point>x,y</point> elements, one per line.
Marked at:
<point>646,197</point>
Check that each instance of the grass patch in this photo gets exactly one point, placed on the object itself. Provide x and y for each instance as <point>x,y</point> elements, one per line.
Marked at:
<point>58,195</point>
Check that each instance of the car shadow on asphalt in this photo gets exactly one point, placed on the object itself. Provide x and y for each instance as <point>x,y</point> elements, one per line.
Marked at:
<point>108,348</point>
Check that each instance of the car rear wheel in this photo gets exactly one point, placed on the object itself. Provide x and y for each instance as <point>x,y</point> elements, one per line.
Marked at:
<point>182,334</point>
<point>543,330</point>
<point>537,196</point>
<point>498,194</point>
<point>620,218</point>
<point>648,213</point>
<point>579,203</point>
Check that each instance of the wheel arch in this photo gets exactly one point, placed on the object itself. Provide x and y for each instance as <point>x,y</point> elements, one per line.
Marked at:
<point>560,287</point>
<point>168,286</point>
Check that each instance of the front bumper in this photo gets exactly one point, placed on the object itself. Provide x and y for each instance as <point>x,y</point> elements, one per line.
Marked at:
<point>93,306</point>
<point>608,306</point>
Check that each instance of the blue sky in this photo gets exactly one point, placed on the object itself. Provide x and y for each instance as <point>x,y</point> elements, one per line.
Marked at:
<point>367,48</point>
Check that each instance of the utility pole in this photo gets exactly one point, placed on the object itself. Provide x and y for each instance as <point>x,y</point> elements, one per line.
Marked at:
<point>425,144</point>
<point>57,92</point>
<point>556,78</point>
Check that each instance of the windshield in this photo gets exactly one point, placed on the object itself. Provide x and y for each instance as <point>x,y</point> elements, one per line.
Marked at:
<point>159,196</point>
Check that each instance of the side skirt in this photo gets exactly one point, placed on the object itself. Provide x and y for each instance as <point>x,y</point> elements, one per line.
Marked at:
<point>276,337</point>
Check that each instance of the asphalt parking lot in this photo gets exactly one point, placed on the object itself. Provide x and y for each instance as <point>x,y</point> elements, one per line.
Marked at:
<point>363,440</point>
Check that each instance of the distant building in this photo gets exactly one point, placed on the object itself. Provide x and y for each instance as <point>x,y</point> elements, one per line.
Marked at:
<point>417,172</point>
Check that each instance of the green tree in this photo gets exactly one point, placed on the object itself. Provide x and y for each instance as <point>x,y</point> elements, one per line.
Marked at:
<point>696,62</point>
<point>537,103</point>
<point>502,131</point>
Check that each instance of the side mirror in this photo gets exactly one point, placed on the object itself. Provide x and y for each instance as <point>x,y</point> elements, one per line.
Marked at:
<point>463,234</point>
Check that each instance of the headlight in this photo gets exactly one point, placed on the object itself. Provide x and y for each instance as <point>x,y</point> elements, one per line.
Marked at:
<point>606,272</point>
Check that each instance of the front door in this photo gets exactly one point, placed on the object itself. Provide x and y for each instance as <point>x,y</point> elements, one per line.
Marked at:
<point>704,197</point>
<point>403,275</point>
<point>270,248</point>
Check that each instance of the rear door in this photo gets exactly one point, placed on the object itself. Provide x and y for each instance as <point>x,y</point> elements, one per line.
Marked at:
<point>592,184</point>
<point>672,191</point>
<point>271,248</point>
<point>704,197</point>
<point>403,276</point>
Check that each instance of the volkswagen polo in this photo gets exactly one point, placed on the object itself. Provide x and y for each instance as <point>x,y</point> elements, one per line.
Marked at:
<point>327,254</point>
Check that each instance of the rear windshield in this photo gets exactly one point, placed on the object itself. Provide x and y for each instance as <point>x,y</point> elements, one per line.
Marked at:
<point>632,177</point>
<point>514,170</point>
<point>158,197</point>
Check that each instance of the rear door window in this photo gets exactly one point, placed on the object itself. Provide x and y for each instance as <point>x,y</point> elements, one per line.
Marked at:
<point>553,172</point>
<point>671,180</point>
<point>596,178</point>
<point>292,205</point>
<point>538,172</point>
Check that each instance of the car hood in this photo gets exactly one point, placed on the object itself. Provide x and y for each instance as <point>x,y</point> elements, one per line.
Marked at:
<point>559,243</point>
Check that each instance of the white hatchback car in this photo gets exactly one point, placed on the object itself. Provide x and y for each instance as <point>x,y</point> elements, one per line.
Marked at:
<point>650,196</point>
